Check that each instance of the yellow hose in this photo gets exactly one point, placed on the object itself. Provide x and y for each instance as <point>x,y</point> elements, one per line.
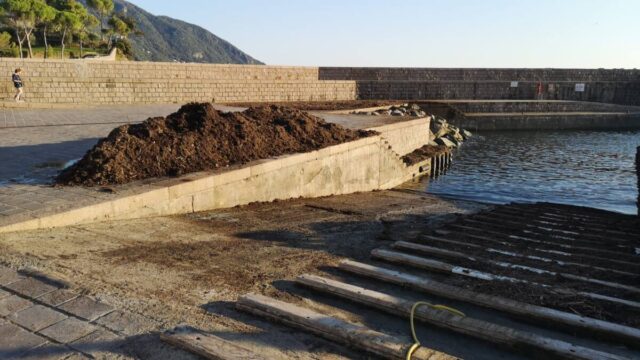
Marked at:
<point>416,343</point>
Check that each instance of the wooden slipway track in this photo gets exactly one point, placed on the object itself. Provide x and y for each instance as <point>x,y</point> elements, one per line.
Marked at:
<point>567,279</point>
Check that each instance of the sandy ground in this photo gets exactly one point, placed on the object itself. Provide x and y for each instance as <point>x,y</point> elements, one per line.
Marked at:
<point>190,269</point>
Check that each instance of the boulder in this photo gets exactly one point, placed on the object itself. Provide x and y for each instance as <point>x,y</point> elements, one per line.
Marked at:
<point>446,142</point>
<point>466,134</point>
<point>457,140</point>
<point>415,107</point>
<point>397,113</point>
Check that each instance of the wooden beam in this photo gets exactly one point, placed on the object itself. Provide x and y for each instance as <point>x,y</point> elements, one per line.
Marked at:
<point>589,224</point>
<point>467,231</point>
<point>537,314</point>
<point>427,238</point>
<point>430,250</point>
<point>207,345</point>
<point>597,233</point>
<point>440,266</point>
<point>494,333</point>
<point>353,335</point>
<point>541,231</point>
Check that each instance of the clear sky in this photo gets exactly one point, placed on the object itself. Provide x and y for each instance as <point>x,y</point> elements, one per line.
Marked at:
<point>422,33</point>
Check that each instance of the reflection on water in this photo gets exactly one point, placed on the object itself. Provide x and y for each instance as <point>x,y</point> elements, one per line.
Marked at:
<point>587,168</point>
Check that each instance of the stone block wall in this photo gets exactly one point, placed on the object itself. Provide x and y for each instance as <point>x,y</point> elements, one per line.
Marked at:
<point>619,86</point>
<point>103,82</point>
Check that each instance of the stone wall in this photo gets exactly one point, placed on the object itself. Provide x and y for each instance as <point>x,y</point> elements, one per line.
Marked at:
<point>102,82</point>
<point>619,86</point>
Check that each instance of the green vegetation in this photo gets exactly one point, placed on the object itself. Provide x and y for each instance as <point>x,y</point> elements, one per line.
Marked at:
<point>32,24</point>
<point>74,28</point>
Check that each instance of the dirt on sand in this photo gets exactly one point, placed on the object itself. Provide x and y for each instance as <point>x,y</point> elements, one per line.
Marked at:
<point>198,138</point>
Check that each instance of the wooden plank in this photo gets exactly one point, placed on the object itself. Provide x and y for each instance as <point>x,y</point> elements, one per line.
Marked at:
<point>588,229</point>
<point>426,238</point>
<point>539,230</point>
<point>207,345</point>
<point>430,250</point>
<point>537,314</point>
<point>435,265</point>
<point>480,329</point>
<point>587,224</point>
<point>353,335</point>
<point>466,231</point>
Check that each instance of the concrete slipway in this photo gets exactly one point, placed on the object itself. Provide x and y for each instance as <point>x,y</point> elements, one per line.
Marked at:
<point>367,164</point>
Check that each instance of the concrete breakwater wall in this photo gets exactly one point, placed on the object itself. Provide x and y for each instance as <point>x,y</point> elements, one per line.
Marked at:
<point>538,106</point>
<point>594,121</point>
<point>479,115</point>
<point>359,166</point>
<point>101,82</point>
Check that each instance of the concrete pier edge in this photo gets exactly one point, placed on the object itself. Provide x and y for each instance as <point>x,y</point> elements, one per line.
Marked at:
<point>367,164</point>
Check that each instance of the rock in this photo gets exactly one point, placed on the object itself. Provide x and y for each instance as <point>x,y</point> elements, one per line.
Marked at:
<point>422,113</point>
<point>415,107</point>
<point>397,113</point>
<point>455,138</point>
<point>414,113</point>
<point>446,142</point>
<point>466,134</point>
<point>444,130</point>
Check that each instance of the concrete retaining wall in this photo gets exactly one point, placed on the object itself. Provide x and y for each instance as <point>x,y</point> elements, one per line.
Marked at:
<point>364,165</point>
<point>405,136</point>
<point>98,82</point>
<point>549,122</point>
<point>537,106</point>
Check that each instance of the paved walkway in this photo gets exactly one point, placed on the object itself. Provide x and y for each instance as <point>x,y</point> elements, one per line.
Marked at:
<point>41,319</point>
<point>35,144</point>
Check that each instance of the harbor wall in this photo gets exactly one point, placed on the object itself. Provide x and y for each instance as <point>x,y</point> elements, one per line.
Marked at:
<point>123,82</point>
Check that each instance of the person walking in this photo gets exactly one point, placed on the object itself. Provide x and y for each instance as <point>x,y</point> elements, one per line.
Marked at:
<point>17,82</point>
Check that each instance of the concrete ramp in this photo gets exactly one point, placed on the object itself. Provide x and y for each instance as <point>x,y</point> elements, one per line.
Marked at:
<point>368,164</point>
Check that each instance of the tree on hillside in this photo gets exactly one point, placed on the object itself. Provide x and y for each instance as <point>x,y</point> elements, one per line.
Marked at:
<point>120,28</point>
<point>72,19</point>
<point>46,16</point>
<point>67,23</point>
<point>20,16</point>
<point>88,22</point>
<point>104,8</point>
<point>7,47</point>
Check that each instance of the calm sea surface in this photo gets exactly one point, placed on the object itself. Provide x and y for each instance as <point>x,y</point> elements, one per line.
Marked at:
<point>588,168</point>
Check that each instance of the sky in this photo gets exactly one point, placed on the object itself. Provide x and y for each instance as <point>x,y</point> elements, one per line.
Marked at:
<point>422,33</point>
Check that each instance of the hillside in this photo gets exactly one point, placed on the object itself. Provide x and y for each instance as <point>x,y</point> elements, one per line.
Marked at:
<point>168,39</point>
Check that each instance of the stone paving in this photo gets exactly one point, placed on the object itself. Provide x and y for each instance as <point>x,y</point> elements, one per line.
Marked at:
<point>35,144</point>
<point>40,319</point>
